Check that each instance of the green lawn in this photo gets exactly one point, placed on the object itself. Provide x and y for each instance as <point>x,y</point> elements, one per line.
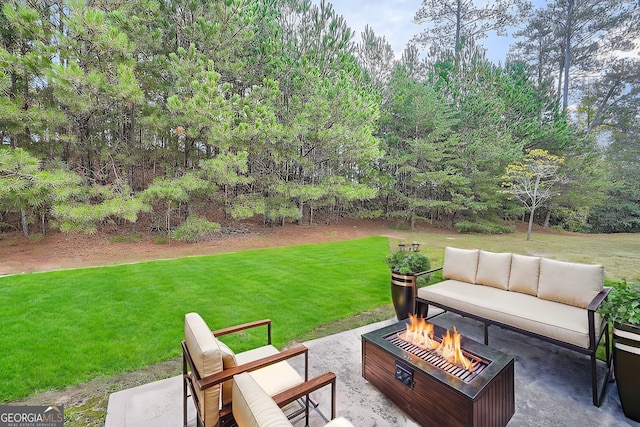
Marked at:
<point>66,327</point>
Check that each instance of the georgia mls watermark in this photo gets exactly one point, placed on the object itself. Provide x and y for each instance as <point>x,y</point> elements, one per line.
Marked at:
<point>31,416</point>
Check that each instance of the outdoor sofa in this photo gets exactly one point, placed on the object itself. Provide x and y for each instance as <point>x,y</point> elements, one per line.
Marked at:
<point>551,300</point>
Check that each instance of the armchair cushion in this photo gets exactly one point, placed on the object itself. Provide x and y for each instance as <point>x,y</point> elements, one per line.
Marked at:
<point>228,361</point>
<point>252,406</point>
<point>207,360</point>
<point>273,379</point>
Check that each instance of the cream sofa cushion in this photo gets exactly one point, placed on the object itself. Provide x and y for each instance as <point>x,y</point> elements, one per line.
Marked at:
<point>493,269</point>
<point>252,406</point>
<point>525,271</point>
<point>207,360</point>
<point>570,283</point>
<point>460,264</point>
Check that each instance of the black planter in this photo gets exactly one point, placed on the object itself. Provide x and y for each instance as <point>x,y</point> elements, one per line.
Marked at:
<point>626,365</point>
<point>403,293</point>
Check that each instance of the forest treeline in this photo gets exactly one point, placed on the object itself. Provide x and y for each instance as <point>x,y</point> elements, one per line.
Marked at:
<point>114,110</point>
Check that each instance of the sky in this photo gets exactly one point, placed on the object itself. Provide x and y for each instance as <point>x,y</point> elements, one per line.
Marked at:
<point>392,19</point>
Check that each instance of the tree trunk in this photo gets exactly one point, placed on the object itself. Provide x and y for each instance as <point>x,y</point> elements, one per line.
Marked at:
<point>530,223</point>
<point>602,106</point>
<point>458,46</point>
<point>567,56</point>
<point>24,223</point>
<point>547,219</point>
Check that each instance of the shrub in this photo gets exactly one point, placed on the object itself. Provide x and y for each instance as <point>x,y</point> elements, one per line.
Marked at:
<point>195,229</point>
<point>573,219</point>
<point>367,214</point>
<point>623,304</point>
<point>127,238</point>
<point>408,262</point>
<point>161,240</point>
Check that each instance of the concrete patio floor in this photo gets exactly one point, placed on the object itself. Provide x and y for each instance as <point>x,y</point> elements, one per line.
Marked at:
<point>552,386</point>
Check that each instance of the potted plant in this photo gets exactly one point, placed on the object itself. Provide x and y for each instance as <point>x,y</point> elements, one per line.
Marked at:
<point>406,267</point>
<point>622,310</point>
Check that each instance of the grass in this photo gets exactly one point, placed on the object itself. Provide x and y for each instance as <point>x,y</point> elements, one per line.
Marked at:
<point>66,327</point>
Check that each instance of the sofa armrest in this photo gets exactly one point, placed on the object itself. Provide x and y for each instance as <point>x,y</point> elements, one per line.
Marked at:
<point>244,326</point>
<point>595,302</point>
<point>227,374</point>
<point>422,273</point>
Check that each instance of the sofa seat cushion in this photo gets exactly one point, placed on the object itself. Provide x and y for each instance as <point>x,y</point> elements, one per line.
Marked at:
<point>273,379</point>
<point>547,318</point>
<point>252,406</point>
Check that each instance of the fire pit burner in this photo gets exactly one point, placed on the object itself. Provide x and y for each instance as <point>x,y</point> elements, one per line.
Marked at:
<point>437,392</point>
<point>439,362</point>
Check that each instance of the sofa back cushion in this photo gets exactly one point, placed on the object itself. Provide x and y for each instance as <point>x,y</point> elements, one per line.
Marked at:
<point>207,360</point>
<point>460,264</point>
<point>570,283</point>
<point>493,269</point>
<point>525,272</point>
<point>252,406</point>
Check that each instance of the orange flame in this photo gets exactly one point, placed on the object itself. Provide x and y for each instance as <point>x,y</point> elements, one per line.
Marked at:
<point>450,350</point>
<point>420,333</point>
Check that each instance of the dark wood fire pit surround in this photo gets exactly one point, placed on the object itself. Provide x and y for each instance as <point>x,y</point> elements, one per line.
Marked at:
<point>432,396</point>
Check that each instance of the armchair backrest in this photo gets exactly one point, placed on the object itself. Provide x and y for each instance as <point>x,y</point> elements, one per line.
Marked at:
<point>252,406</point>
<point>209,356</point>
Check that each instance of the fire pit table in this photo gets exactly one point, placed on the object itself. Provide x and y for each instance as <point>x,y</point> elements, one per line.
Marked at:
<point>434,391</point>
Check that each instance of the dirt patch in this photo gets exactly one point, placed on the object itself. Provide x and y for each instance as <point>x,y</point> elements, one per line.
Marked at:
<point>61,251</point>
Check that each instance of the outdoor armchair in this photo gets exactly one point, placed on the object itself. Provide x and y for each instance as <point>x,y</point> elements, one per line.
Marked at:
<point>254,408</point>
<point>209,367</point>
